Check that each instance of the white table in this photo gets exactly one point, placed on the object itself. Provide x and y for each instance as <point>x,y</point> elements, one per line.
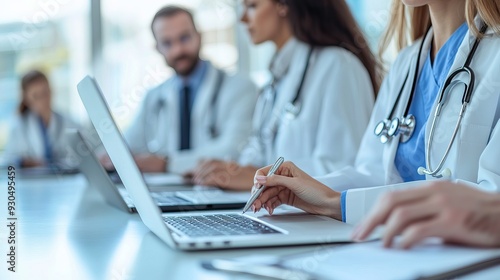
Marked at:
<point>66,231</point>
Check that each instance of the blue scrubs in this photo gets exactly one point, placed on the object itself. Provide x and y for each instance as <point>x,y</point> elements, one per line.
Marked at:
<point>411,155</point>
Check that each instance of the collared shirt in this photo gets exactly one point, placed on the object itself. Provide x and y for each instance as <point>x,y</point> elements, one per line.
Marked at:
<point>194,80</point>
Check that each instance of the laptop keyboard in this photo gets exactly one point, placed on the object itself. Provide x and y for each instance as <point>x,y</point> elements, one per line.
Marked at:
<point>217,225</point>
<point>169,199</point>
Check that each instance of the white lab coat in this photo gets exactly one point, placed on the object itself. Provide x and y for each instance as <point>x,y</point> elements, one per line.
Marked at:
<point>474,157</point>
<point>25,138</point>
<point>337,99</point>
<point>234,106</point>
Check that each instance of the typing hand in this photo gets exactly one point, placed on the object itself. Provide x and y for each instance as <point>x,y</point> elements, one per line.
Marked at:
<point>453,212</point>
<point>292,186</point>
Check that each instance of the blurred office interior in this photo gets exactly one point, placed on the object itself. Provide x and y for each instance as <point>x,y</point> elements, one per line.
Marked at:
<point>111,40</point>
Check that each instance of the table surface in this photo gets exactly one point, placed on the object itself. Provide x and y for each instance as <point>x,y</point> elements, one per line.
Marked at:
<point>66,231</point>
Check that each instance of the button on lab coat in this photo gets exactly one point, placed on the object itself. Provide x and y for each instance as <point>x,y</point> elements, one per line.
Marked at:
<point>157,121</point>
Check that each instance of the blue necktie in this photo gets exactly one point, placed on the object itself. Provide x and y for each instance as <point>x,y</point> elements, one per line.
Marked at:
<point>185,125</point>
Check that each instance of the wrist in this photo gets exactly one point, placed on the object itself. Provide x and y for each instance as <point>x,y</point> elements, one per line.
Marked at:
<point>331,207</point>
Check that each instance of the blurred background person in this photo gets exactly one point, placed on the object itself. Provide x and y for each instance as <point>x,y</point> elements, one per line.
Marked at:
<point>37,134</point>
<point>200,112</point>
<point>318,104</point>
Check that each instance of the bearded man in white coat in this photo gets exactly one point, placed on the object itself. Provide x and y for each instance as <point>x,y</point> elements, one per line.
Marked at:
<point>200,112</point>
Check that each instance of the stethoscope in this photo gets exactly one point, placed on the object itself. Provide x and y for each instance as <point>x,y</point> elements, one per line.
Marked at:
<point>154,143</point>
<point>290,110</point>
<point>405,126</point>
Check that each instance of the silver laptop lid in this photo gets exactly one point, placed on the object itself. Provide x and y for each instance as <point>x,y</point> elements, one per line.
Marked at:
<point>120,155</point>
<point>95,173</point>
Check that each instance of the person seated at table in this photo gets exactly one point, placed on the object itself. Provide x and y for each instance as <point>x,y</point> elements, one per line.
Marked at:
<point>199,112</point>
<point>37,137</point>
<point>318,103</point>
<point>427,124</point>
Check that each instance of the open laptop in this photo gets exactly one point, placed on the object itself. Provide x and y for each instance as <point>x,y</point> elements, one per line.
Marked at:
<point>208,230</point>
<point>172,198</point>
<point>175,199</point>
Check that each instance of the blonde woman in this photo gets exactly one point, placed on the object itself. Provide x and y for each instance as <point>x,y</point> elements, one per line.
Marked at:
<point>455,137</point>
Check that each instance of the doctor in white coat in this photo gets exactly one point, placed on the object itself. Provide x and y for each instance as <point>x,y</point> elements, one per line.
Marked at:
<point>318,104</point>
<point>200,112</point>
<point>458,32</point>
<point>37,135</point>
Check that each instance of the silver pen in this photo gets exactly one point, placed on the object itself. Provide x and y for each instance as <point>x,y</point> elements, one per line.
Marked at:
<point>256,194</point>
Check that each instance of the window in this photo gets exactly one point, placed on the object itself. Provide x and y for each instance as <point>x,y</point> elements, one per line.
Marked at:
<point>49,35</point>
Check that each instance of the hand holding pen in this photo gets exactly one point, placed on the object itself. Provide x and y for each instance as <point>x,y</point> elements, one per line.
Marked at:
<point>256,194</point>
<point>292,186</point>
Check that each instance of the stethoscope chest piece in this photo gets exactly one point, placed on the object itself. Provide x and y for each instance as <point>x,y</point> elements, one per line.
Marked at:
<point>404,126</point>
<point>388,129</point>
<point>381,131</point>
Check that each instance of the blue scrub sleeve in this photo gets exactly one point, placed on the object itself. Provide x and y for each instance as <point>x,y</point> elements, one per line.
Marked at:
<point>342,204</point>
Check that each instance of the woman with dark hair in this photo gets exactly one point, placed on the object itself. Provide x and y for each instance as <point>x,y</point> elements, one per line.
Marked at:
<point>318,104</point>
<point>37,133</point>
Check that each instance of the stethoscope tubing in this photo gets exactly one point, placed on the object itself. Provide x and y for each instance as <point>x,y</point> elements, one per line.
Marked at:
<point>293,107</point>
<point>448,85</point>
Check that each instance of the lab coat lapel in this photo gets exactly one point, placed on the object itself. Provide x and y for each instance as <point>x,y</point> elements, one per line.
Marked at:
<point>171,95</point>
<point>447,120</point>
<point>34,137</point>
<point>200,117</point>
<point>55,129</point>
<point>392,175</point>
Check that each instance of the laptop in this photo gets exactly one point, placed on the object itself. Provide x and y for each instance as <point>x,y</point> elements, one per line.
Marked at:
<point>177,198</point>
<point>172,198</point>
<point>204,230</point>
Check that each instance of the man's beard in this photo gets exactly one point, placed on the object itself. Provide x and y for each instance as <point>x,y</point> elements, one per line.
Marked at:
<point>193,62</point>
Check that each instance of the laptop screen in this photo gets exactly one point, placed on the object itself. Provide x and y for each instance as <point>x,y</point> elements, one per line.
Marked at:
<point>120,155</point>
